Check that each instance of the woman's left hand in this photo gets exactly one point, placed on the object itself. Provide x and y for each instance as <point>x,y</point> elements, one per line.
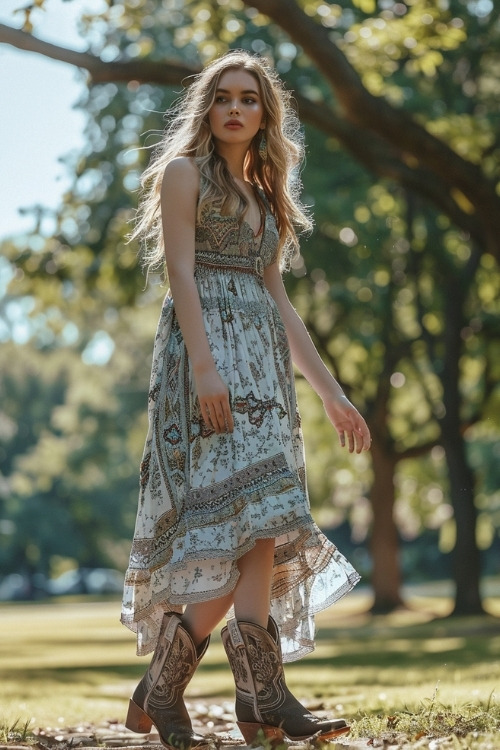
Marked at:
<point>350,425</point>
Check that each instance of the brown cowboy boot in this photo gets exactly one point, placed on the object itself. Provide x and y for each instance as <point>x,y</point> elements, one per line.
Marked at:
<point>157,698</point>
<point>263,701</point>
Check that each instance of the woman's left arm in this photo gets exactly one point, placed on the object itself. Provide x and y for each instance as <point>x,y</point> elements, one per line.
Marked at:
<point>350,425</point>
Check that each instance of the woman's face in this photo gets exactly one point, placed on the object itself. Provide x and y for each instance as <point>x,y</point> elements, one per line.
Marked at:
<point>237,112</point>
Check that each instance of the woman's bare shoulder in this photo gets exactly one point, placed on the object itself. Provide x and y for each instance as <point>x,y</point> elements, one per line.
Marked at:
<point>180,185</point>
<point>182,168</point>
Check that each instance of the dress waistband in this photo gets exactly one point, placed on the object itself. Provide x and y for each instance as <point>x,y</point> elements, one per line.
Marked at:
<point>243,264</point>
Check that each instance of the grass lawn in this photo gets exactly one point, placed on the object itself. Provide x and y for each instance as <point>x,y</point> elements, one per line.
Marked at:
<point>415,671</point>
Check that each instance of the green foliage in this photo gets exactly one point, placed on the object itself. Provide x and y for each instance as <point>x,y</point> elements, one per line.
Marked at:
<point>434,721</point>
<point>373,283</point>
<point>16,731</point>
<point>70,449</point>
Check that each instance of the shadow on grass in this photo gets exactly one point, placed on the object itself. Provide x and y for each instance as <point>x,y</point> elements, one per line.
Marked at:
<point>380,650</point>
<point>403,648</point>
<point>68,674</point>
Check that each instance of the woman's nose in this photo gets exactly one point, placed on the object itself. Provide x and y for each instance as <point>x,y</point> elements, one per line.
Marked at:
<point>234,107</point>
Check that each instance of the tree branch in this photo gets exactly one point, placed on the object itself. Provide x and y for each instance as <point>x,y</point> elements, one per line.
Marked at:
<point>384,160</point>
<point>165,73</point>
<point>381,139</point>
<point>394,125</point>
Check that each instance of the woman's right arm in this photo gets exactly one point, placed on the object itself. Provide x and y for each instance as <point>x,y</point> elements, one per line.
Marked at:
<point>179,197</point>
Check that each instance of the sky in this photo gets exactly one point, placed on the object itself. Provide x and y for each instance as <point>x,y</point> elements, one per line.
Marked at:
<point>38,123</point>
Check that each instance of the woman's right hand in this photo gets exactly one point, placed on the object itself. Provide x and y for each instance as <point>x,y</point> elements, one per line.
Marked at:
<point>213,396</point>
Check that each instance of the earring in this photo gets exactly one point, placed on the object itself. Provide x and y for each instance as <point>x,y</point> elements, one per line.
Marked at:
<point>263,146</point>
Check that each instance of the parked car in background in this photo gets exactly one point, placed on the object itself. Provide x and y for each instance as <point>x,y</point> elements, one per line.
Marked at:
<point>20,587</point>
<point>96,581</point>
<point>86,581</point>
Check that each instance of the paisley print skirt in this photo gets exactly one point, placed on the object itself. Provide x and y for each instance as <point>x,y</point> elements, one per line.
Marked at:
<point>206,498</point>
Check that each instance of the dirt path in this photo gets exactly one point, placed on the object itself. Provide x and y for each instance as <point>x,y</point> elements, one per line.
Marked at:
<point>215,720</point>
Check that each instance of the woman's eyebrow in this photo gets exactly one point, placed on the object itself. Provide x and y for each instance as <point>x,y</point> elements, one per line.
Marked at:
<point>245,91</point>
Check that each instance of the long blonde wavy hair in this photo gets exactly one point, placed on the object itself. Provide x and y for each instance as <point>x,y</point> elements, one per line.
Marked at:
<point>188,134</point>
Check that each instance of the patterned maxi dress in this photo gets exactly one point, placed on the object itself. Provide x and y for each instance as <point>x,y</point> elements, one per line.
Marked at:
<point>206,498</point>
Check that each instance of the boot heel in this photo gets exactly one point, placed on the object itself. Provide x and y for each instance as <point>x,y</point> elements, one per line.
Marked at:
<point>274,735</point>
<point>137,720</point>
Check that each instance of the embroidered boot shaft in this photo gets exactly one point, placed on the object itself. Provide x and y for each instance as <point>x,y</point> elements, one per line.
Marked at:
<point>158,698</point>
<point>263,701</point>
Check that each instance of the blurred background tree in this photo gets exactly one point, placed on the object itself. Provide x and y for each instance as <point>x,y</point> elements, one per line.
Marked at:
<point>399,284</point>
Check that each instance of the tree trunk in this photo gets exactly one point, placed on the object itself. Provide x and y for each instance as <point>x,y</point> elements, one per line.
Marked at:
<point>466,560</point>
<point>386,575</point>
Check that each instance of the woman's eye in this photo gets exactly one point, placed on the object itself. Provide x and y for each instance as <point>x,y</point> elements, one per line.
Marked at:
<point>221,99</point>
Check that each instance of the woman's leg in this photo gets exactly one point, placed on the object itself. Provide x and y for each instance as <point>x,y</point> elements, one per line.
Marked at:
<point>201,618</point>
<point>251,596</point>
<point>263,700</point>
<point>158,697</point>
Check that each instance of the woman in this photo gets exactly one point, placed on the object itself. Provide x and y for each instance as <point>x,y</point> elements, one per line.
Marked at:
<point>223,522</point>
